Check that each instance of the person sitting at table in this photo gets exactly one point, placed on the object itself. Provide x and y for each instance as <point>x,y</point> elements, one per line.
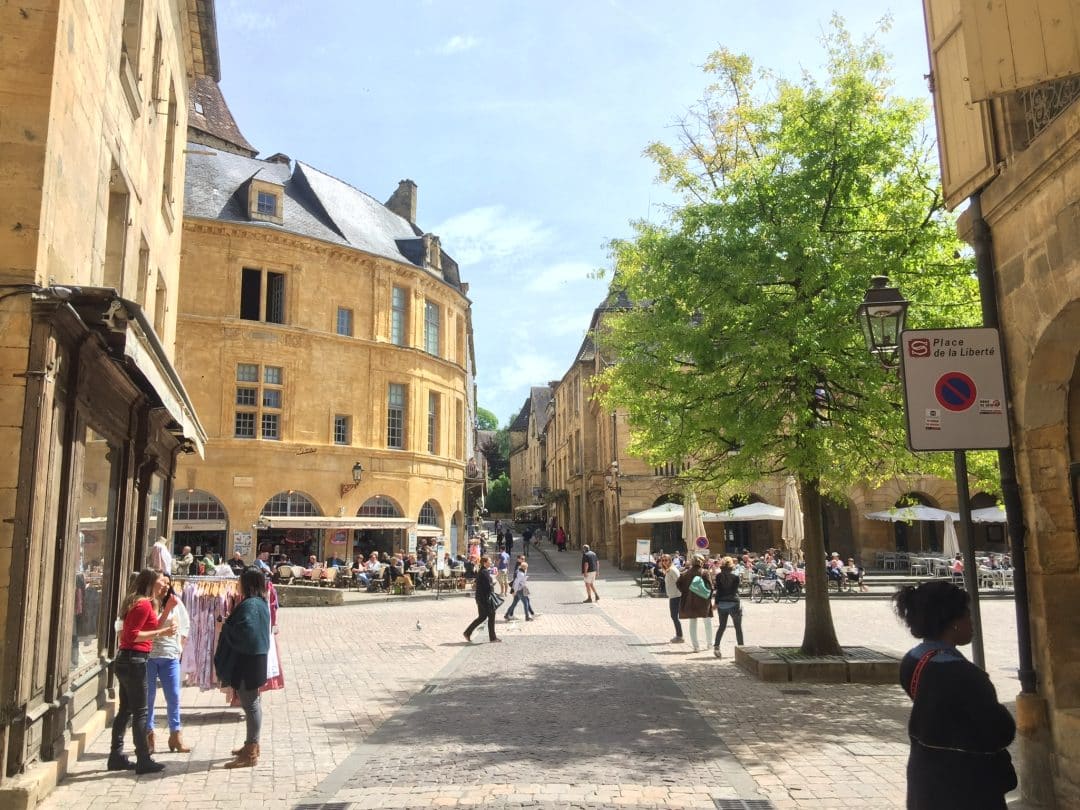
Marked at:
<point>359,571</point>
<point>957,566</point>
<point>237,563</point>
<point>854,574</point>
<point>834,567</point>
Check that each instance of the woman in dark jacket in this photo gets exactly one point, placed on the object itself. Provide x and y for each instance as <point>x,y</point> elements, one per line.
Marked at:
<point>726,595</point>
<point>694,606</point>
<point>485,607</point>
<point>241,658</point>
<point>959,731</point>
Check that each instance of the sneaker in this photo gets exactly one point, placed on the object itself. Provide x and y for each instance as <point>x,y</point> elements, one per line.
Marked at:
<point>467,637</point>
<point>149,766</point>
<point>510,618</point>
<point>717,653</point>
<point>496,640</point>
<point>678,640</point>
<point>528,619</point>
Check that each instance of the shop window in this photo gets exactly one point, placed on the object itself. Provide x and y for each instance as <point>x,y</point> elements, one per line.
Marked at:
<point>195,505</point>
<point>379,506</point>
<point>395,417</point>
<point>289,504</point>
<point>97,497</point>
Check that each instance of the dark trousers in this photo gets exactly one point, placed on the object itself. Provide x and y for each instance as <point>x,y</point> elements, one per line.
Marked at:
<point>736,619</point>
<point>130,671</point>
<point>486,613</point>
<point>673,605</point>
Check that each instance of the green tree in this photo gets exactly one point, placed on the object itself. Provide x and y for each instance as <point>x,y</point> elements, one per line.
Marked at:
<point>744,353</point>
<point>486,420</point>
<point>498,496</point>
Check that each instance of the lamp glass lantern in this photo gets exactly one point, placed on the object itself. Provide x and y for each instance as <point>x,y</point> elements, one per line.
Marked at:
<point>881,316</point>
<point>357,472</point>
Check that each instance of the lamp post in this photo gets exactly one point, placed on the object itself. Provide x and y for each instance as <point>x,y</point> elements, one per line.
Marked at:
<point>611,481</point>
<point>882,314</point>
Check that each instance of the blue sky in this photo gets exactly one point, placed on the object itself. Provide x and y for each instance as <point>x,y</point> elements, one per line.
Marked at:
<point>522,123</point>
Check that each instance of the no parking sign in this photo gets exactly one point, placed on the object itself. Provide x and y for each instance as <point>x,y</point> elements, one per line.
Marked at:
<point>954,389</point>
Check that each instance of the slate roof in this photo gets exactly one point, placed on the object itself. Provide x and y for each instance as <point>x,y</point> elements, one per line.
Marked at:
<point>216,118</point>
<point>316,205</point>
<point>540,397</point>
<point>521,421</point>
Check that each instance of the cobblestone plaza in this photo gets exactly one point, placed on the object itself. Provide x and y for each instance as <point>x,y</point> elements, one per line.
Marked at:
<point>589,706</point>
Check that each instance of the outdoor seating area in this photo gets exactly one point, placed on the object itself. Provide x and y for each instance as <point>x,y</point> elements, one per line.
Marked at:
<point>995,569</point>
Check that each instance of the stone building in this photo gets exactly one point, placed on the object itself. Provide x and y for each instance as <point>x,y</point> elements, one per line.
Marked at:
<point>93,100</point>
<point>327,340</point>
<point>1006,86</point>
<point>529,489</point>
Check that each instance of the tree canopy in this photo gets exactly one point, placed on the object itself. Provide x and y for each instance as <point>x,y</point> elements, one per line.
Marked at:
<point>742,350</point>
<point>486,420</point>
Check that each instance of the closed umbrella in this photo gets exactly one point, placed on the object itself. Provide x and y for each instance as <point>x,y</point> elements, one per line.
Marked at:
<point>951,544</point>
<point>792,530</point>
<point>693,527</point>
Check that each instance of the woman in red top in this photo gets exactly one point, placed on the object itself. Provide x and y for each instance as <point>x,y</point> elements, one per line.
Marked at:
<point>142,623</point>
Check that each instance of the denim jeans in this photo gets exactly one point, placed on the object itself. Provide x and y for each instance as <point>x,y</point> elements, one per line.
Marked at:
<point>524,599</point>
<point>130,671</point>
<point>251,703</point>
<point>168,671</point>
<point>673,605</point>
<point>736,617</point>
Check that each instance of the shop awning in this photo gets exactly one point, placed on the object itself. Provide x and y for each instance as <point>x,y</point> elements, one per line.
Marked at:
<point>428,531</point>
<point>323,522</point>
<point>533,507</point>
<point>198,525</point>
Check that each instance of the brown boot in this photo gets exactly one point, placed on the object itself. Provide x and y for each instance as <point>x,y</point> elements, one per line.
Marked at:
<point>150,740</point>
<point>246,757</point>
<point>176,743</point>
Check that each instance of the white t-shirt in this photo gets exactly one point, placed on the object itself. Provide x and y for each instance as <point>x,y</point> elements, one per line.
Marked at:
<point>161,558</point>
<point>169,646</point>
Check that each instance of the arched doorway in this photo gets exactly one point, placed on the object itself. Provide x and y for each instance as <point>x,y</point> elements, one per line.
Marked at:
<point>293,545</point>
<point>919,535</point>
<point>199,521</point>
<point>385,541</point>
<point>987,536</point>
<point>667,536</point>
<point>755,535</point>
<point>428,527</point>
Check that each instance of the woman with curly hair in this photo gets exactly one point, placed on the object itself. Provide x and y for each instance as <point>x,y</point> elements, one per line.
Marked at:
<point>959,731</point>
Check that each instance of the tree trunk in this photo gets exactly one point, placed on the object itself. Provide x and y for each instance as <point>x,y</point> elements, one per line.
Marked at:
<point>819,635</point>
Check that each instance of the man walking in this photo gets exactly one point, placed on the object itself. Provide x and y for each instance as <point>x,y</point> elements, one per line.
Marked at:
<point>508,540</point>
<point>590,567</point>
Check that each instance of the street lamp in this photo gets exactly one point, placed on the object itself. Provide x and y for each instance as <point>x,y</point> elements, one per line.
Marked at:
<point>357,474</point>
<point>881,316</point>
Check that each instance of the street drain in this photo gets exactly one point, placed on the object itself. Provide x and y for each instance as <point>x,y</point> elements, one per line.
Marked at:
<point>427,690</point>
<point>744,804</point>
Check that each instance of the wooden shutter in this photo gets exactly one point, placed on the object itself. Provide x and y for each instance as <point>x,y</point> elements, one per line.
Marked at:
<point>1013,44</point>
<point>965,139</point>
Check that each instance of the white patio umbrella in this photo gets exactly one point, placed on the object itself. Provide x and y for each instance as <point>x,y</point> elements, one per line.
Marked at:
<point>752,511</point>
<point>951,545</point>
<point>792,531</point>
<point>991,514</point>
<point>692,525</point>
<point>906,514</point>
<point>664,513</point>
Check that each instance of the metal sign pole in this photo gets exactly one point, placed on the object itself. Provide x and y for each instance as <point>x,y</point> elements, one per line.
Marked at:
<point>971,566</point>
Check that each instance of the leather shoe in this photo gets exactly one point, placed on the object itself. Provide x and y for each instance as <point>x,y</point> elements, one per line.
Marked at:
<point>118,762</point>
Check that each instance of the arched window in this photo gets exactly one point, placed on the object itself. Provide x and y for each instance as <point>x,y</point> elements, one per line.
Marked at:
<point>429,515</point>
<point>194,504</point>
<point>289,504</point>
<point>379,506</point>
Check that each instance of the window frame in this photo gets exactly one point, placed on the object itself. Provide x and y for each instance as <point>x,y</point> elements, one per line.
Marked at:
<point>395,415</point>
<point>265,417</point>
<point>344,329</point>
<point>432,327</point>
<point>399,316</point>
<point>342,430</point>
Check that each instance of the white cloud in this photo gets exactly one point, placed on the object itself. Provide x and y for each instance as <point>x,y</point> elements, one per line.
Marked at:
<point>458,43</point>
<point>559,275</point>
<point>489,232</point>
<point>522,371</point>
<point>240,16</point>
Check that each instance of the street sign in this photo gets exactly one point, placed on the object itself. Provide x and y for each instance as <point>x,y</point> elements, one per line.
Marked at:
<point>643,550</point>
<point>954,389</point>
<point>702,543</point>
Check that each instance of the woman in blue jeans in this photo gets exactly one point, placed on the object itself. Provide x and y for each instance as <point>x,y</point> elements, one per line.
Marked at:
<point>671,588</point>
<point>726,594</point>
<point>164,665</point>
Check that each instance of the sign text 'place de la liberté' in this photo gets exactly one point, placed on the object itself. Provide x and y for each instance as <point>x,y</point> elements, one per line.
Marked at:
<point>954,389</point>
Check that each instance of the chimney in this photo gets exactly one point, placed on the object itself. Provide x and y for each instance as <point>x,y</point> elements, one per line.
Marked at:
<point>403,201</point>
<point>279,157</point>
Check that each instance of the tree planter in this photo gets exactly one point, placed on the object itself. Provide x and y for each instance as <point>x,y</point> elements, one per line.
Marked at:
<point>787,664</point>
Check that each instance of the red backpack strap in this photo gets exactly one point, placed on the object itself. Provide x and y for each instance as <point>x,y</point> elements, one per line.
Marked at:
<point>918,671</point>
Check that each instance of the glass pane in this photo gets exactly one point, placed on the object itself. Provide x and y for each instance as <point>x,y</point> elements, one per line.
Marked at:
<point>270,426</point>
<point>272,375</point>
<point>247,372</point>
<point>246,396</point>
<point>271,398</point>
<point>97,512</point>
<point>155,510</point>
<point>245,425</point>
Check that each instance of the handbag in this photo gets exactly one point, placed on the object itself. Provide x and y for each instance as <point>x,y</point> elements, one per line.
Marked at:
<point>495,601</point>
<point>698,587</point>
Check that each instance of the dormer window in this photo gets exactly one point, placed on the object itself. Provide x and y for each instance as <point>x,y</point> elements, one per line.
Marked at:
<point>265,201</point>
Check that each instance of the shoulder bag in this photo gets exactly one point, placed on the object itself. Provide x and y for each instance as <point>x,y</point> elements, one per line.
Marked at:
<point>699,587</point>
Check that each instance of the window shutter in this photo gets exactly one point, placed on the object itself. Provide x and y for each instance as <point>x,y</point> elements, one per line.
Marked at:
<point>965,138</point>
<point>1014,44</point>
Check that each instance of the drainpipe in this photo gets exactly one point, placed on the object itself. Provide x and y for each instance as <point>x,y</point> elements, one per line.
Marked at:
<point>1010,488</point>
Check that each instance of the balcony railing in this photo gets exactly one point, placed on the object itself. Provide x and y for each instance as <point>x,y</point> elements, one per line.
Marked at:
<point>1045,102</point>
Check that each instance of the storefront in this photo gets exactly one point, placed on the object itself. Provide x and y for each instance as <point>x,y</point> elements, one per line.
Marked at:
<point>104,419</point>
<point>199,522</point>
<point>371,533</point>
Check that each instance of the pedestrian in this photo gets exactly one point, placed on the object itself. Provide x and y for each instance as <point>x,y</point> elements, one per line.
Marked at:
<point>501,566</point>
<point>696,598</point>
<point>560,539</point>
<point>486,601</point>
<point>726,595</point>
<point>183,563</point>
<point>520,587</point>
<point>671,588</point>
<point>143,620</point>
<point>164,665</point>
<point>959,731</point>
<point>160,558</point>
<point>508,540</point>
<point>590,568</point>
<point>241,659</point>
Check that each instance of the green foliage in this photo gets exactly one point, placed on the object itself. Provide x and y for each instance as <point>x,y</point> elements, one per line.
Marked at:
<point>486,420</point>
<point>794,196</point>
<point>498,495</point>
